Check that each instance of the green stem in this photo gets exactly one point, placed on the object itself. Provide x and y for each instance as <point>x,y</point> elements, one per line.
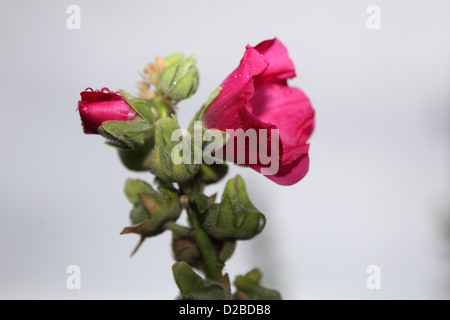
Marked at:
<point>213,268</point>
<point>227,250</point>
<point>172,226</point>
<point>190,186</point>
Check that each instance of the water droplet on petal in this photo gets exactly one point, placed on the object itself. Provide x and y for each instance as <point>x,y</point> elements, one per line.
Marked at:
<point>247,76</point>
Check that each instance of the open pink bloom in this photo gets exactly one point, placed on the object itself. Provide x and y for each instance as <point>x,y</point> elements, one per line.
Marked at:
<point>96,107</point>
<point>256,96</point>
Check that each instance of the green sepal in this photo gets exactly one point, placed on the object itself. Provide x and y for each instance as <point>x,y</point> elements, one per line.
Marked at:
<point>173,58</point>
<point>126,134</point>
<point>249,288</point>
<point>144,108</point>
<point>135,186</point>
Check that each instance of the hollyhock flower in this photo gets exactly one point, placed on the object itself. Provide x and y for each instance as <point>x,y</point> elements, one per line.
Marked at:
<point>256,96</point>
<point>96,107</point>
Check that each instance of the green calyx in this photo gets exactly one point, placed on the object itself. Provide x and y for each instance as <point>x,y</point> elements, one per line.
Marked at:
<point>144,108</point>
<point>126,134</point>
<point>151,209</point>
<point>172,161</point>
<point>180,77</point>
<point>235,217</point>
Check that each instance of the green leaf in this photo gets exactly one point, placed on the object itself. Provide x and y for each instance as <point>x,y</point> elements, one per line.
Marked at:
<point>194,287</point>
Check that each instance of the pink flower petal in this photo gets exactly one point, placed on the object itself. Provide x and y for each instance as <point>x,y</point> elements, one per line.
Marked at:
<point>289,109</point>
<point>230,109</point>
<point>289,174</point>
<point>280,65</point>
<point>256,96</point>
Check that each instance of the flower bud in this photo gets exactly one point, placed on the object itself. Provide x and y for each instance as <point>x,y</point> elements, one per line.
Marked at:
<point>98,106</point>
<point>235,217</point>
<point>151,209</point>
<point>125,121</point>
<point>166,162</point>
<point>180,78</point>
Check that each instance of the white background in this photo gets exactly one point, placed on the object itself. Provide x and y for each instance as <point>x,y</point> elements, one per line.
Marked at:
<point>378,187</point>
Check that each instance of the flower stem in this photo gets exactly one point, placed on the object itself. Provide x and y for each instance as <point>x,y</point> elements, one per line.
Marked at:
<point>227,250</point>
<point>172,226</point>
<point>213,268</point>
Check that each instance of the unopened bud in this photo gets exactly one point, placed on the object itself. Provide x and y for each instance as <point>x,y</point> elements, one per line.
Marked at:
<point>180,78</point>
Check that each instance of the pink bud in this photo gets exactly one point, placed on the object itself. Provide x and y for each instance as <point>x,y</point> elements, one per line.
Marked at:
<point>98,106</point>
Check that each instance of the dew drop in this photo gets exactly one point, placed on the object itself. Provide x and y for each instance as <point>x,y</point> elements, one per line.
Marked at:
<point>247,76</point>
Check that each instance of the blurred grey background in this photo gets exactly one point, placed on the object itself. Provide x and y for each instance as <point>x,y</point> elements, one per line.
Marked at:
<point>379,181</point>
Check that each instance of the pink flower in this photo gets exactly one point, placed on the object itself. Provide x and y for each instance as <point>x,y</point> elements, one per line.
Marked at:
<point>256,96</point>
<point>96,107</point>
